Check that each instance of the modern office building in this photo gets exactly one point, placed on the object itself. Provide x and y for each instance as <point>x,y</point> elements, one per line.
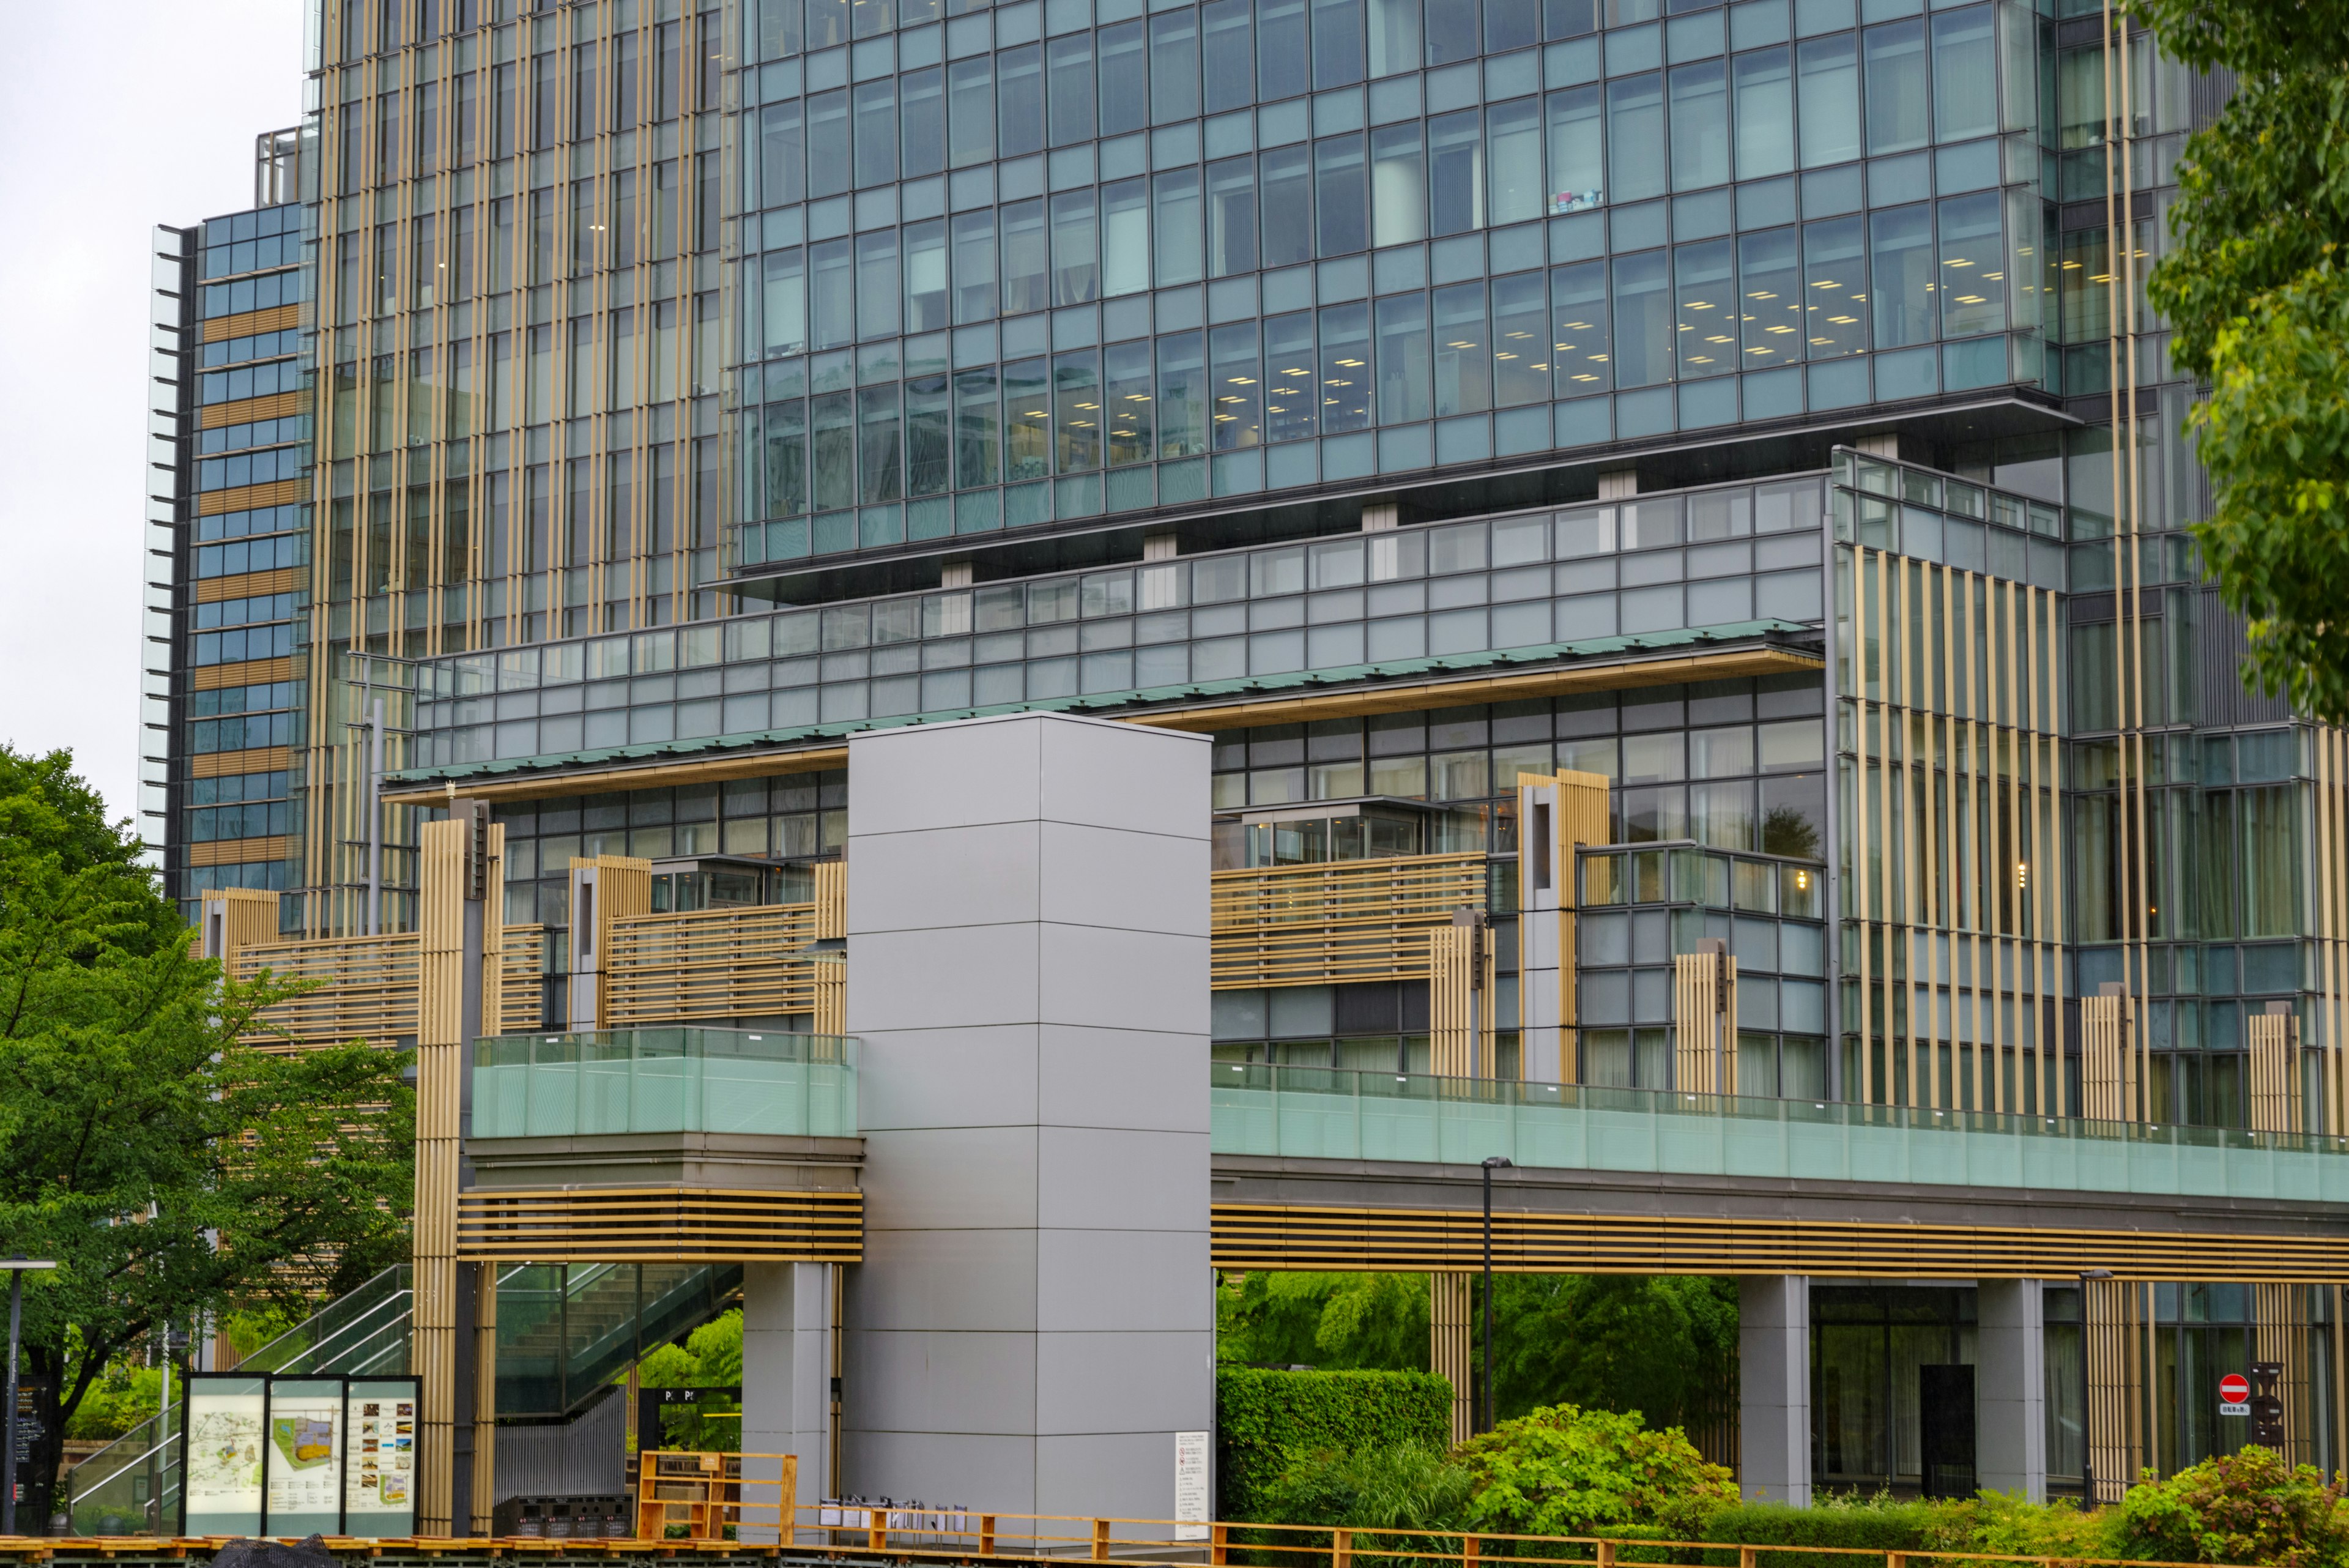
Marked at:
<point>1702,489</point>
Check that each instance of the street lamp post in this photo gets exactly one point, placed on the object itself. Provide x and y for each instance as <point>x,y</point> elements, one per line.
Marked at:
<point>1492,1164</point>
<point>15,1267</point>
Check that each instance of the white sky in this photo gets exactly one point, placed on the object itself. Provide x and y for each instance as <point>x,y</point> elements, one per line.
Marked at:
<point>115,115</point>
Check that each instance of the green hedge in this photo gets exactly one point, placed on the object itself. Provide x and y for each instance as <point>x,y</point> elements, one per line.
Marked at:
<point>1265,1420</point>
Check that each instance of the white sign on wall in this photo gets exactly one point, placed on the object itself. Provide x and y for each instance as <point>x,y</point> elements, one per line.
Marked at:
<point>1190,1491</point>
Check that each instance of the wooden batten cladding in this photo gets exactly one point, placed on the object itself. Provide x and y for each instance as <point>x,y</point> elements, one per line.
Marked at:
<point>253,759</point>
<point>709,966</point>
<point>1951,683</point>
<point>245,324</point>
<point>2111,1086</point>
<point>2279,1335</point>
<point>659,1225</point>
<point>277,493</point>
<point>1461,981</point>
<point>1336,920</point>
<point>2329,890</point>
<point>1415,1240</point>
<point>2276,1098</point>
<point>276,405</point>
<point>1452,1345</point>
<point>234,851</point>
<point>2119,1339</point>
<point>1704,1021</point>
<point>369,986</point>
<point>245,585</point>
<point>251,671</point>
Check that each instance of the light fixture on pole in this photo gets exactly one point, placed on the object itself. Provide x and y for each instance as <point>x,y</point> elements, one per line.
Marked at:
<point>15,1267</point>
<point>1492,1163</point>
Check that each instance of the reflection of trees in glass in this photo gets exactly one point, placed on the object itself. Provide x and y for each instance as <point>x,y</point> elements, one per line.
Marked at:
<point>1787,830</point>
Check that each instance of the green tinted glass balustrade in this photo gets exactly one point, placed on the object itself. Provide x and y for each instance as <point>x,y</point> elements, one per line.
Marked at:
<point>1330,1113</point>
<point>664,1080</point>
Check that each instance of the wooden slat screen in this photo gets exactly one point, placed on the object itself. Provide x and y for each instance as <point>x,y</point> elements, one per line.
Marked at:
<point>1336,920</point>
<point>709,964</point>
<point>660,1224</point>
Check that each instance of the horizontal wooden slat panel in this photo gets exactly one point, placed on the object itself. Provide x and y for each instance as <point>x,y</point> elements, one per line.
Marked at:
<point>245,585</point>
<point>521,994</point>
<point>1252,1236</point>
<point>659,1224</point>
<point>1335,920</point>
<point>368,989</point>
<point>254,759</point>
<point>275,406</point>
<point>276,319</point>
<point>233,851</point>
<point>709,964</point>
<point>278,493</point>
<point>248,672</point>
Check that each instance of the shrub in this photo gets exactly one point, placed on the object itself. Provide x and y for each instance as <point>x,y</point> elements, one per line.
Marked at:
<point>1408,1488</point>
<point>2250,1507</point>
<point>1267,1422</point>
<point>1564,1470</point>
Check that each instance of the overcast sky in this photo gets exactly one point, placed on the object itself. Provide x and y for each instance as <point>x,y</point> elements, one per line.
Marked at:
<point>115,115</point>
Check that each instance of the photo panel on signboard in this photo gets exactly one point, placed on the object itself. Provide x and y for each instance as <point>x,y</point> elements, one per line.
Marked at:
<point>304,1455</point>
<point>379,1457</point>
<point>220,1460</point>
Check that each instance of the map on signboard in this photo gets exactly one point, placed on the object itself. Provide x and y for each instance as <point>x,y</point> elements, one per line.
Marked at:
<point>224,1453</point>
<point>305,1441</point>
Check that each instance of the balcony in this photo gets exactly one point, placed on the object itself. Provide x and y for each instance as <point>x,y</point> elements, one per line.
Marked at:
<point>616,1082</point>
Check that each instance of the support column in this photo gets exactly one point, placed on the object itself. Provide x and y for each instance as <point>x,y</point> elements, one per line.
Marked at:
<point>1774,1394</point>
<point>1554,815</point>
<point>1451,1352</point>
<point>786,1382</point>
<point>1034,1322</point>
<point>2010,1388</point>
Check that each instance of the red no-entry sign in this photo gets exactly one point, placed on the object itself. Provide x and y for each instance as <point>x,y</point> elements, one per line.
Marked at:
<point>2234,1395</point>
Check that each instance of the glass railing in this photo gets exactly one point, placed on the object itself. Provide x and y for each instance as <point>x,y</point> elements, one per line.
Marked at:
<point>664,1080</point>
<point>1326,1113</point>
<point>564,1333</point>
<point>362,1335</point>
<point>131,1486</point>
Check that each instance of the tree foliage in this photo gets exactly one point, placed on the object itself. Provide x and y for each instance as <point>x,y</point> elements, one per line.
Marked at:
<point>169,1170</point>
<point>2246,1507</point>
<point>2254,290</point>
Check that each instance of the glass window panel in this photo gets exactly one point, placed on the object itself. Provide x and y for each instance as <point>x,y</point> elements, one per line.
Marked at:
<point>1124,80</point>
<point>1829,69</point>
<point>1643,321</point>
<point>923,123</point>
<point>1076,261</point>
<point>1898,98</point>
<point>1173,67</point>
<point>1027,420</point>
<point>1291,404</point>
<point>1070,61</point>
<point>930,436</point>
<point>1077,402</point>
<point>1239,382</point>
<point>1394,37</point>
<point>1337,43</point>
<point>1766,113</point>
<point>1129,399</point>
<point>1020,101</point>
<point>786,441</point>
<point>1965,74</point>
<point>976,421</point>
<point>1582,357</point>
<point>879,450</point>
<point>1900,260</point>
<point>1231,216</point>
<point>1700,125</point>
<point>970,93</point>
<point>1513,134</point>
<point>1770,297</point>
<point>1521,340</point>
<point>1342,214</point>
<point>1126,237</point>
<point>1403,361</point>
<point>1398,185</point>
<point>832,287</point>
<point>877,283</point>
<point>1973,276</point>
<point>1578,172</point>
<point>783,311</point>
<point>1345,368</point>
<point>1228,44</point>
<point>833,420</point>
<point>1835,292</point>
<point>1174,199</point>
<point>1281,52</point>
<point>1182,395</point>
<point>1287,207</point>
<point>876,132</point>
<point>925,276</point>
<point>1635,137</point>
<point>1455,168</point>
<point>830,165</point>
<point>974,267</point>
<point>1462,352</point>
<point>782,156</point>
<point>1027,281</point>
<point>1705,315</point>
<point>1451,31</point>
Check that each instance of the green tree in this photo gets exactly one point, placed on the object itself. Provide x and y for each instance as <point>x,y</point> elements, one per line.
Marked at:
<point>1337,1322</point>
<point>710,1357</point>
<point>2255,292</point>
<point>1665,1346</point>
<point>167,1168</point>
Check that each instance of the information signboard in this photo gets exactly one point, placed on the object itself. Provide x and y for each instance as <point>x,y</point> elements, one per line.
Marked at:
<point>379,1457</point>
<point>220,1456</point>
<point>265,1455</point>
